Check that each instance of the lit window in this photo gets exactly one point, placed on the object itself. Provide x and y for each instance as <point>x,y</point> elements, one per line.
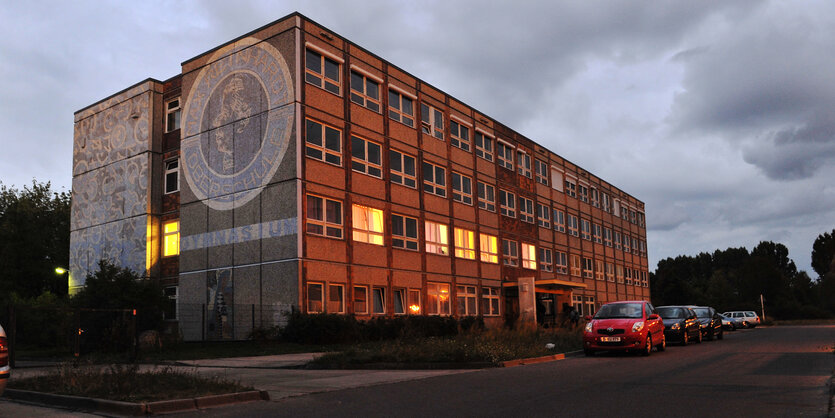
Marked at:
<point>541,172</point>
<point>434,179</point>
<point>598,269</point>
<point>401,108</point>
<point>323,142</point>
<point>466,296</point>
<point>459,135</point>
<point>525,209</point>
<point>464,243</point>
<point>378,300</point>
<point>360,299</point>
<point>507,203</point>
<point>504,155</point>
<point>368,224</point>
<point>528,256</point>
<point>524,161</point>
<point>336,298</point>
<point>322,71</point>
<point>543,215</point>
<point>483,146</point>
<point>546,263</point>
<point>572,226</point>
<point>585,229</point>
<point>570,187</point>
<point>367,157</point>
<point>404,232</point>
<point>510,253</point>
<point>490,301</point>
<point>402,168</point>
<point>414,301</point>
<point>489,248</point>
<point>575,265</point>
<point>324,216</point>
<point>172,115</point>
<point>365,91</point>
<point>486,197</point>
<point>437,238</point>
<point>462,188</point>
<point>315,298</point>
<point>559,220</point>
<point>587,267</point>
<point>561,262</point>
<point>171,238</point>
<point>437,298</point>
<point>172,176</point>
<point>432,121</point>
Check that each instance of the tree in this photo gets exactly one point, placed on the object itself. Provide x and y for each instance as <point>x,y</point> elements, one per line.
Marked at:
<point>823,253</point>
<point>34,240</point>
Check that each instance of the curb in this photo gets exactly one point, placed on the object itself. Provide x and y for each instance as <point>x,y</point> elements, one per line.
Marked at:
<point>533,360</point>
<point>131,408</point>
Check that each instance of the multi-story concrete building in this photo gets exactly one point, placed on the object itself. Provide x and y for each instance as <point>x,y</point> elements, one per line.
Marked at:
<point>292,169</point>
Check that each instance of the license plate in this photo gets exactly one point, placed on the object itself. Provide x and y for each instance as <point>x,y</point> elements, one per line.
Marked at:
<point>610,339</point>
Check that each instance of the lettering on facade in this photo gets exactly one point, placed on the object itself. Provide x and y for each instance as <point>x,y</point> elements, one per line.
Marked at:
<point>272,229</point>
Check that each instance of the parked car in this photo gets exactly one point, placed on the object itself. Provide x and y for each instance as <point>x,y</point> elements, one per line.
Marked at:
<point>624,326</point>
<point>680,324</point>
<point>731,324</point>
<point>750,318</point>
<point>5,371</point>
<point>709,322</point>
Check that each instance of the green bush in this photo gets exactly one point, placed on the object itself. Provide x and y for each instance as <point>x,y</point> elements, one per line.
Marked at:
<point>346,329</point>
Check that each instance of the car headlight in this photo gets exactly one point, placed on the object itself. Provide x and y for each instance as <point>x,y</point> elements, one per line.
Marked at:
<point>637,326</point>
<point>677,325</point>
<point>588,327</point>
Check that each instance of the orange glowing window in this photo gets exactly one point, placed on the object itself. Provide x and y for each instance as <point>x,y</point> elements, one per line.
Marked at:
<point>171,238</point>
<point>368,224</point>
<point>464,243</point>
<point>489,248</point>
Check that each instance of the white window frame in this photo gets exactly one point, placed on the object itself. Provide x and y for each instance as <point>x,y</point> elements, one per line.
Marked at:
<point>429,121</point>
<point>486,140</point>
<point>464,295</point>
<point>436,236</point>
<point>172,167</point>
<point>173,111</point>
<point>459,133</point>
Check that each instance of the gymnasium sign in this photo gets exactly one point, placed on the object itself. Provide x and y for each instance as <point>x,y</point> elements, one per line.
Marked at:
<point>237,123</point>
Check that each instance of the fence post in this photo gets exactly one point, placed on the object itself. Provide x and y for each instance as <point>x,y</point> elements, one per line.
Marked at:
<point>11,336</point>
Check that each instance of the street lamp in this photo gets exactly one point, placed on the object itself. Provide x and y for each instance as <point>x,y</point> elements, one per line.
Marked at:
<point>59,270</point>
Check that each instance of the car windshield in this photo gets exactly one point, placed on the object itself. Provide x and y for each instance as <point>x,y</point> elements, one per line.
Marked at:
<point>670,312</point>
<point>702,312</point>
<point>620,310</point>
<point>750,314</point>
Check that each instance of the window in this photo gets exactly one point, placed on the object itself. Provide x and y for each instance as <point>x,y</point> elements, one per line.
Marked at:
<point>414,301</point>
<point>437,298</point>
<point>598,269</point>
<point>365,91</point>
<point>401,108</point>
<point>378,300</point>
<point>322,71</point>
<point>323,142</point>
<point>644,279</point>
<point>543,214</point>
<point>570,187</point>
<point>489,247</point>
<point>561,262</point>
<point>633,216</point>
<point>541,172</point>
<point>434,179</point>
<point>490,301</point>
<point>315,298</point>
<point>556,179</point>
<point>524,164</point>
<point>172,115</point>
<point>595,198</point>
<point>575,265</point>
<point>172,176</point>
<point>507,203</point>
<point>504,154</point>
<point>643,246</point>
<point>399,299</point>
<point>367,157</point>
<point>587,267</point>
<point>464,243</point>
<point>610,272</point>
<point>528,256</point>
<point>170,310</point>
<point>402,168</point>
<point>577,303</point>
<point>559,220</point>
<point>483,146</point>
<point>617,240</point>
<point>572,226</point>
<point>437,238</point>
<point>462,188</point>
<point>368,224</point>
<point>607,205</point>
<point>546,263</point>
<point>404,232</point>
<point>634,245</point>
<point>360,299</point>
<point>324,216</point>
<point>171,238</point>
<point>510,253</point>
<point>619,273</point>
<point>590,305</point>
<point>607,236</point>
<point>625,243</point>
<point>466,296</point>
<point>628,274</point>
<point>459,135</point>
<point>526,209</point>
<point>486,197</point>
<point>641,219</point>
<point>432,121</point>
<point>336,298</point>
<point>584,193</point>
<point>597,233</point>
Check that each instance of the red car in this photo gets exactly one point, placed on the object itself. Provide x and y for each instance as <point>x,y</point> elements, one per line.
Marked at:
<point>631,325</point>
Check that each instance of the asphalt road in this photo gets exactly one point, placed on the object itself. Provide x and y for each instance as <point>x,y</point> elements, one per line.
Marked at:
<point>776,371</point>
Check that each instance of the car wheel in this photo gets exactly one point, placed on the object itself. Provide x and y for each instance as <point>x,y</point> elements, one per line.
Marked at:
<point>721,335</point>
<point>685,338</point>
<point>588,352</point>
<point>663,345</point>
<point>648,346</point>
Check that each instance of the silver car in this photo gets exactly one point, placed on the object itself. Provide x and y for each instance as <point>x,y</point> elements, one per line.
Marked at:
<point>748,318</point>
<point>5,371</point>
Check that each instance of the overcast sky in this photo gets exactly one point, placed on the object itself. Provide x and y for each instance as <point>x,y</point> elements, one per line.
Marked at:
<point>719,115</point>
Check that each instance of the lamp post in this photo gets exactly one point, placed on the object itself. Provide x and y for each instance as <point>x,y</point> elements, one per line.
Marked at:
<point>60,271</point>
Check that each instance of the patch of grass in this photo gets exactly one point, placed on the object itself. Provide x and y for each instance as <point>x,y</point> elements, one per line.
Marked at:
<point>126,383</point>
<point>491,346</point>
<point>224,349</point>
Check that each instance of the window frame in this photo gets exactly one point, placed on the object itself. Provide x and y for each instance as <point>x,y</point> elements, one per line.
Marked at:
<point>528,256</point>
<point>585,229</point>
<point>464,192</point>
<point>429,116</point>
<point>328,153</point>
<point>488,248</point>
<point>355,300</point>
<point>431,185</point>
<point>559,220</point>
<point>541,171</point>
<point>575,266</point>
<point>437,239</point>
<point>403,241</point>
<point>311,300</point>
<point>459,133</point>
<point>570,187</point>
<point>170,238</point>
<point>363,97</point>
<point>363,163</point>
<point>546,262</point>
<point>172,172</point>
<point>435,295</point>
<point>464,295</point>
<point>543,215</point>
<point>490,301</point>
<point>523,160</point>
<point>483,141</point>
<point>505,154</point>
<point>599,270</point>
<point>573,227</point>
<point>364,223</point>
<point>174,113</point>
<point>402,114</point>
<point>402,177</point>
<point>510,253</point>
<point>464,240</point>
<point>507,203</point>
<point>486,202</point>
<point>526,211</point>
<point>375,292</point>
<point>324,222</point>
<point>341,301</point>
<point>560,262</point>
<point>321,77</point>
